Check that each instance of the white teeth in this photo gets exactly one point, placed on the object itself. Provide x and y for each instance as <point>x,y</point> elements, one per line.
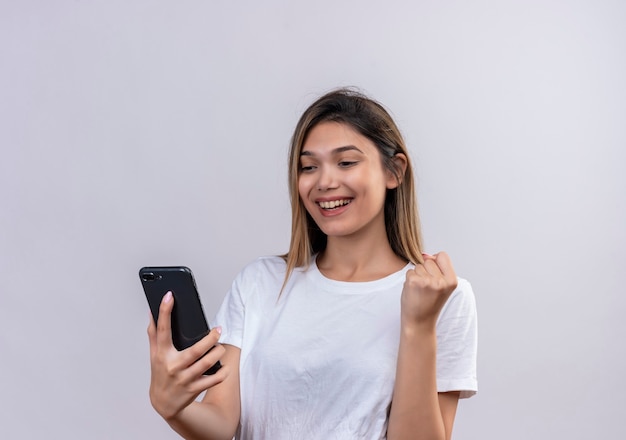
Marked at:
<point>333,204</point>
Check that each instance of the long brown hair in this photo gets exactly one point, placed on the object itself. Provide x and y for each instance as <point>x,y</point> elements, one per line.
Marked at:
<point>370,119</point>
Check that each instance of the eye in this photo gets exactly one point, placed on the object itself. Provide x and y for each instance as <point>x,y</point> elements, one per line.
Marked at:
<point>347,163</point>
<point>307,168</point>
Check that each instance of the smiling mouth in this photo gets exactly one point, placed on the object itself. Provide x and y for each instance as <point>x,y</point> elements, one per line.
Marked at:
<point>334,204</point>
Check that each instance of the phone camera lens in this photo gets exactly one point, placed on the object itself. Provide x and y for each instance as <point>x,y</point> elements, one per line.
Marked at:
<point>149,276</point>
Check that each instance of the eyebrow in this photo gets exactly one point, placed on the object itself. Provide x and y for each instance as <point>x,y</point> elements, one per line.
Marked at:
<point>335,151</point>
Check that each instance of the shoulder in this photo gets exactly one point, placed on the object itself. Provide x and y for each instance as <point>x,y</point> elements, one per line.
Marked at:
<point>463,288</point>
<point>268,265</point>
<point>264,272</point>
<point>461,301</point>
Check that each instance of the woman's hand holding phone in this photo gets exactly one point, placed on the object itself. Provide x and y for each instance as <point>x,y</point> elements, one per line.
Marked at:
<point>177,376</point>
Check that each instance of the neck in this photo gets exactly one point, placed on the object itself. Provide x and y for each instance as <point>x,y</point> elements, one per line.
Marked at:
<point>367,257</point>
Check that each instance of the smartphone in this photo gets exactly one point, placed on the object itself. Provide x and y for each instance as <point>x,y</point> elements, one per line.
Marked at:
<point>189,324</point>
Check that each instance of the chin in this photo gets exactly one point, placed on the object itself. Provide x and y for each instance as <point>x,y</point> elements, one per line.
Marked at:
<point>336,232</point>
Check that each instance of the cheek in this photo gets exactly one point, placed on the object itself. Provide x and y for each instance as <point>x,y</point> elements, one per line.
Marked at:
<point>303,188</point>
<point>370,179</point>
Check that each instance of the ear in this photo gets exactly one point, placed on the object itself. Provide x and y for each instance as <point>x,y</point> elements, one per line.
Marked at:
<point>400,162</point>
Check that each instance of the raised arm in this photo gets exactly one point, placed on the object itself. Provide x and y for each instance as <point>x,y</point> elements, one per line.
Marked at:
<point>177,380</point>
<point>418,411</point>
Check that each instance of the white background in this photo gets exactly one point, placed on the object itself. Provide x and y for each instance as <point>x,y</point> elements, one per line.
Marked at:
<point>156,132</point>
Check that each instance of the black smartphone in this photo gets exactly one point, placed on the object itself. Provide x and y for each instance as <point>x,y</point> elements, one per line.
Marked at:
<point>189,324</point>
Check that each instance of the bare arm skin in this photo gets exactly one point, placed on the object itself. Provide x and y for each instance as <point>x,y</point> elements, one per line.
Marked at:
<point>217,416</point>
<point>418,411</point>
<point>177,380</point>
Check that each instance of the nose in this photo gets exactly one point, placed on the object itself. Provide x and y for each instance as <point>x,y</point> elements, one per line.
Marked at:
<point>327,179</point>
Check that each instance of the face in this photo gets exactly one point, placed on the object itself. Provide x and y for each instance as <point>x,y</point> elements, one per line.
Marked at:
<point>342,182</point>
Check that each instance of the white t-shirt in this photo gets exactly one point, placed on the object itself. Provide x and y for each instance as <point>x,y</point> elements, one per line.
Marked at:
<point>319,361</point>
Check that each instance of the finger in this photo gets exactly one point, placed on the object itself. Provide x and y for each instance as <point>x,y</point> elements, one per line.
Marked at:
<point>152,335</point>
<point>416,273</point>
<point>445,265</point>
<point>191,354</point>
<point>432,268</point>
<point>205,382</point>
<point>215,354</point>
<point>164,325</point>
<point>427,256</point>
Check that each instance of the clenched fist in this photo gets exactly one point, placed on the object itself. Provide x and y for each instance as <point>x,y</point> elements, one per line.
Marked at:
<point>426,290</point>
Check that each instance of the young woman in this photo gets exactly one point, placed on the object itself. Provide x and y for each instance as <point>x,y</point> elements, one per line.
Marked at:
<point>354,333</point>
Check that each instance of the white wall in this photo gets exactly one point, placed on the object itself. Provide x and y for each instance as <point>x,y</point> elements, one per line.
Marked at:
<point>156,132</point>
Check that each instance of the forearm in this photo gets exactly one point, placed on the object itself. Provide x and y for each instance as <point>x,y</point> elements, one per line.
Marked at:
<point>415,411</point>
<point>204,421</point>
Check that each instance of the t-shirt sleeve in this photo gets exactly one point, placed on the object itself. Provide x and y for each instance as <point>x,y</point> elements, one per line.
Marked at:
<point>230,315</point>
<point>457,343</point>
